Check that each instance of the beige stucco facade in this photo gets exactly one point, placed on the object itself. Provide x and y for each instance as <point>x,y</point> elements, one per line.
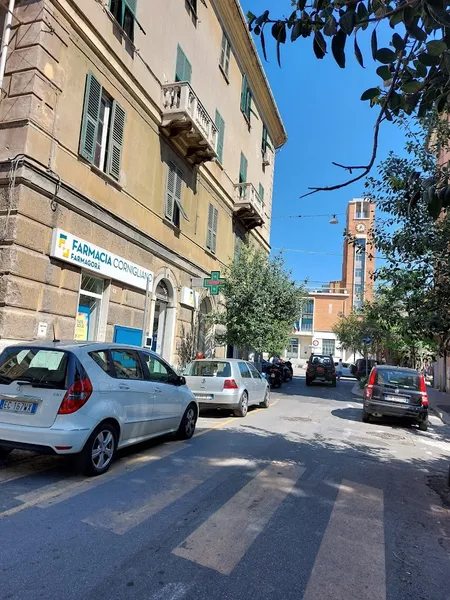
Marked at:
<point>48,185</point>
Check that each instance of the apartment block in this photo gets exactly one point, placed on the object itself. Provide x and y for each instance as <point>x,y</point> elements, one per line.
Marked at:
<point>137,152</point>
<point>313,332</point>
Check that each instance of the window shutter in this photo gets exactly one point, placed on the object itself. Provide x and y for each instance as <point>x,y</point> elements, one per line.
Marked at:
<point>243,169</point>
<point>264,139</point>
<point>116,140</point>
<point>183,69</point>
<point>91,113</point>
<point>220,124</point>
<point>223,51</point>
<point>132,6</point>
<point>261,193</point>
<point>244,94</point>
<point>209,232</point>
<point>227,56</point>
<point>170,191</point>
<point>214,230</point>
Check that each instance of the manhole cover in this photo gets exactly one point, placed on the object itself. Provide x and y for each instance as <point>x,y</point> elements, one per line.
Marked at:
<point>296,419</point>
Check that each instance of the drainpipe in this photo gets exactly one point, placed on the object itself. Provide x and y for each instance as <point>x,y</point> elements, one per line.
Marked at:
<point>5,41</point>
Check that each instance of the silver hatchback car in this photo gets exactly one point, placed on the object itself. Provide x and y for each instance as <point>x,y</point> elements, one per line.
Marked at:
<point>227,383</point>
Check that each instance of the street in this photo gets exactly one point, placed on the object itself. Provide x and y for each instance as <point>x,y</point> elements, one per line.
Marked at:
<point>301,500</point>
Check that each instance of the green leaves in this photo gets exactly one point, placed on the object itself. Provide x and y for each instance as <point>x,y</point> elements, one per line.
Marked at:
<point>319,45</point>
<point>370,94</point>
<point>347,21</point>
<point>436,47</point>
<point>410,87</point>
<point>384,72</point>
<point>385,56</point>
<point>330,26</point>
<point>358,54</point>
<point>338,48</point>
<point>398,42</point>
<point>374,44</point>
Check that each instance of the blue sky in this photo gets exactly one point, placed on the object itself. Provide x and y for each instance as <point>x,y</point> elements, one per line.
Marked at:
<point>326,121</point>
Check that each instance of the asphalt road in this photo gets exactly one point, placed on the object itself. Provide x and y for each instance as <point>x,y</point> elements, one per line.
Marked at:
<point>301,500</point>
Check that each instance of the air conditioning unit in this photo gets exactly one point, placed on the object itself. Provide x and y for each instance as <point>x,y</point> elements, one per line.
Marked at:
<point>267,158</point>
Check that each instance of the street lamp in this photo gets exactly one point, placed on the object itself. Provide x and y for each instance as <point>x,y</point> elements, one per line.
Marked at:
<point>334,220</point>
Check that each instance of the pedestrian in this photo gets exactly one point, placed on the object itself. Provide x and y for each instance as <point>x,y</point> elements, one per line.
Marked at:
<point>340,366</point>
<point>199,355</point>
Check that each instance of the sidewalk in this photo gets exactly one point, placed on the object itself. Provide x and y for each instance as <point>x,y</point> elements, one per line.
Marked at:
<point>440,404</point>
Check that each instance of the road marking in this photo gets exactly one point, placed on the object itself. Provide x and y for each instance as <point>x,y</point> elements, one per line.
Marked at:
<point>26,468</point>
<point>121,522</point>
<point>354,536</point>
<point>67,488</point>
<point>221,541</point>
<point>215,427</point>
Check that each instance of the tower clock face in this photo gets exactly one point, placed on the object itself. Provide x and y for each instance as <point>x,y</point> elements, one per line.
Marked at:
<point>360,227</point>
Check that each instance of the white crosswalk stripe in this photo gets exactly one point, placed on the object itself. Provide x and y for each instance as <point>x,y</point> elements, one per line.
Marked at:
<point>221,541</point>
<point>354,537</point>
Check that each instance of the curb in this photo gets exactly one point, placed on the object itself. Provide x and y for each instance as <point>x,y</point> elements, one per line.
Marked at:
<point>442,415</point>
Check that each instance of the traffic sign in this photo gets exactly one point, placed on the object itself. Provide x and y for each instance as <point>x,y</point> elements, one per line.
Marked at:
<point>367,340</point>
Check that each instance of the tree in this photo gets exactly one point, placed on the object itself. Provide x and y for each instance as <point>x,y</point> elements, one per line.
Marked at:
<point>350,332</point>
<point>260,303</point>
<point>413,73</point>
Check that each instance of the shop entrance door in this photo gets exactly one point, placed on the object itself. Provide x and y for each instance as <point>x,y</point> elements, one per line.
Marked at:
<point>159,319</point>
<point>89,308</point>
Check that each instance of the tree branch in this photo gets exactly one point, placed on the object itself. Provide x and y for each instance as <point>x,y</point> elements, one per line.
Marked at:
<point>366,169</point>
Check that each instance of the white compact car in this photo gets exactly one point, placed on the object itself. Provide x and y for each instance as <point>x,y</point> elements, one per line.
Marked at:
<point>227,383</point>
<point>89,399</point>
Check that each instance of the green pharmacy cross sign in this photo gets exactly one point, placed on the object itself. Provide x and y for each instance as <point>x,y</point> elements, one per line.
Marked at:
<point>213,283</point>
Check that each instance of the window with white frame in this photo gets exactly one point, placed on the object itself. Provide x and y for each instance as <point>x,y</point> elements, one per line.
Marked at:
<point>89,308</point>
<point>292,349</point>
<point>362,209</point>
<point>329,347</point>
<point>225,54</point>
<point>307,316</point>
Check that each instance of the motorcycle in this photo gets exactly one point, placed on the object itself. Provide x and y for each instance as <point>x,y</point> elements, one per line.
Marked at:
<point>273,373</point>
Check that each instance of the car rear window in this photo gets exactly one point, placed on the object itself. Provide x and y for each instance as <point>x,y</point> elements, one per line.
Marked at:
<point>42,368</point>
<point>398,379</point>
<point>321,360</point>
<point>209,368</point>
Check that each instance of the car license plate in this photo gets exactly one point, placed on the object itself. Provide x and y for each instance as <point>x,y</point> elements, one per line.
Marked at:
<point>21,407</point>
<point>272,375</point>
<point>401,399</point>
<point>204,396</point>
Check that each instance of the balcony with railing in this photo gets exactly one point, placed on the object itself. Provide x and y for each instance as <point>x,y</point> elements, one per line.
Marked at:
<point>248,206</point>
<point>187,123</point>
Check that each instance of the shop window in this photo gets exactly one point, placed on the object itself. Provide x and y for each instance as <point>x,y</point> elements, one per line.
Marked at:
<point>89,308</point>
<point>329,347</point>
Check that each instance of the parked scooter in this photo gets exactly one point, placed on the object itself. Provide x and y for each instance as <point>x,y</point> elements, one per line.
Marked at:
<point>273,373</point>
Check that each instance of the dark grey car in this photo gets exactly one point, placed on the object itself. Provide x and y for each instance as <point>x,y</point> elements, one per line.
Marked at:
<point>396,392</point>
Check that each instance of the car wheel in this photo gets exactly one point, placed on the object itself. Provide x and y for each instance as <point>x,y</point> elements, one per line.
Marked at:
<point>308,381</point>
<point>365,416</point>
<point>242,409</point>
<point>188,423</point>
<point>266,402</point>
<point>5,452</point>
<point>98,452</point>
<point>423,425</point>
<point>333,382</point>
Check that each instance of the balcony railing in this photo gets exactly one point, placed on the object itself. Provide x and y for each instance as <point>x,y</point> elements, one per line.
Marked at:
<point>188,123</point>
<point>248,206</point>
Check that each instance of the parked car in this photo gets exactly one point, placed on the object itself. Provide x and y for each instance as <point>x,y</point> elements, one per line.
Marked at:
<point>346,369</point>
<point>89,399</point>
<point>359,369</point>
<point>273,373</point>
<point>396,392</point>
<point>320,367</point>
<point>227,383</point>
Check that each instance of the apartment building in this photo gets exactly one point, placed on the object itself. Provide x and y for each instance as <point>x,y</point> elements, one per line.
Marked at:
<point>137,150</point>
<point>313,332</point>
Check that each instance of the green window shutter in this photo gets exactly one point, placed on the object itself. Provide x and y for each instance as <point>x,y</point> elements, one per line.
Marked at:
<point>243,169</point>
<point>209,231</point>
<point>170,191</point>
<point>116,140</point>
<point>132,6</point>
<point>220,124</point>
<point>183,69</point>
<point>91,113</point>
<point>264,139</point>
<point>261,193</point>
<point>244,93</point>
<point>225,54</point>
<point>214,230</point>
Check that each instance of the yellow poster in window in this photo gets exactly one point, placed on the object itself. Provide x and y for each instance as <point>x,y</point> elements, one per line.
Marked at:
<point>82,325</point>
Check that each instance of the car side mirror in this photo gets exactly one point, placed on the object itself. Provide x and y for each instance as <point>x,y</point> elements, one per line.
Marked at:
<point>181,380</point>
